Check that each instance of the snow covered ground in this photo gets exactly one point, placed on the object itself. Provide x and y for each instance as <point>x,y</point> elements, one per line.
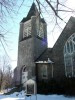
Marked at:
<point>21,96</point>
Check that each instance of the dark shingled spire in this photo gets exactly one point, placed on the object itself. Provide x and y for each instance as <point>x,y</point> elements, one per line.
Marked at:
<point>32,12</point>
<point>42,20</point>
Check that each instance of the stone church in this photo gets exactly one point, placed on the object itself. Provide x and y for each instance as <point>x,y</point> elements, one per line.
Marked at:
<point>35,59</point>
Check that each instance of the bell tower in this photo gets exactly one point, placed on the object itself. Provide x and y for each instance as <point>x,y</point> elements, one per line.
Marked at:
<point>32,41</point>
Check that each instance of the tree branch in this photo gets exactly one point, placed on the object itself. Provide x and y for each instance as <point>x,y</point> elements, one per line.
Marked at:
<point>54,10</point>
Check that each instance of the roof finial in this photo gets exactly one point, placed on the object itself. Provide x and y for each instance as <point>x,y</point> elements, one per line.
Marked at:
<point>49,61</point>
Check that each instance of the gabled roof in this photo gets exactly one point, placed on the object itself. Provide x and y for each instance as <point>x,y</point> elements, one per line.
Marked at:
<point>32,11</point>
<point>45,55</point>
<point>67,31</point>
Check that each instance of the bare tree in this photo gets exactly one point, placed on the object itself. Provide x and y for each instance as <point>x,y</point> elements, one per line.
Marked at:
<point>8,78</point>
<point>51,7</point>
<point>55,9</point>
<point>8,9</point>
<point>5,73</point>
<point>2,71</point>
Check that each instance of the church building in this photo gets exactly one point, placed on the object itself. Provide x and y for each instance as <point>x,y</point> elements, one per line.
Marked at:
<point>35,59</point>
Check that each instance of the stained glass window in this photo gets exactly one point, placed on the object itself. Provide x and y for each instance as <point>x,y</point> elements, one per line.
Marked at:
<point>71,46</point>
<point>68,47</point>
<point>74,46</point>
<point>69,52</point>
<point>65,49</point>
<point>74,39</point>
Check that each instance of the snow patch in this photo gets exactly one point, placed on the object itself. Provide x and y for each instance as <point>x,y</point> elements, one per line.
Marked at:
<point>21,96</point>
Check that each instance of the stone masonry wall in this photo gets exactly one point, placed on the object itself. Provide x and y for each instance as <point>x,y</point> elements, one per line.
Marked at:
<point>58,54</point>
<point>25,56</point>
<point>40,45</point>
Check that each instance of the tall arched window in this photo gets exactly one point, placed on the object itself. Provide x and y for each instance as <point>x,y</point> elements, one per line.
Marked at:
<point>69,56</point>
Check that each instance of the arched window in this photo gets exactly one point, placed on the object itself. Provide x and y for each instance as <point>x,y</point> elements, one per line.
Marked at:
<point>44,71</point>
<point>24,74</point>
<point>24,69</point>
<point>71,46</point>
<point>69,52</point>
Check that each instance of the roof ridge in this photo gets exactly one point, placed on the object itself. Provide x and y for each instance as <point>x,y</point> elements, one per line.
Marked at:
<point>41,54</point>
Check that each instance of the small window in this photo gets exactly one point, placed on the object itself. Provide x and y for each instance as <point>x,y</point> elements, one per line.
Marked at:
<point>24,69</point>
<point>68,62</point>
<point>44,71</point>
<point>74,46</point>
<point>65,49</point>
<point>74,39</point>
<point>74,73</point>
<point>71,46</point>
<point>68,47</point>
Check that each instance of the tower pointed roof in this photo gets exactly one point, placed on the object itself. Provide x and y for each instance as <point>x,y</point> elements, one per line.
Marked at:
<point>32,12</point>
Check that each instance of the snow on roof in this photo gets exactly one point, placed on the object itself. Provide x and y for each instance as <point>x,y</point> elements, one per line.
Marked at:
<point>30,81</point>
<point>48,61</point>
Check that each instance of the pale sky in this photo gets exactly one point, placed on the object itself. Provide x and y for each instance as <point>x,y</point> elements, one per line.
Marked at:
<point>13,27</point>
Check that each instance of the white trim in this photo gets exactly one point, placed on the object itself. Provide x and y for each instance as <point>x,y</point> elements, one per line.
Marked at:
<point>49,61</point>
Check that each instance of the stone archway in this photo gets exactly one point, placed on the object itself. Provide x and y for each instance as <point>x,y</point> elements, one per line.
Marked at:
<point>24,75</point>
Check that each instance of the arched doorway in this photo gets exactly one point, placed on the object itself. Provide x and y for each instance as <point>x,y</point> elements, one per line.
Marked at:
<point>24,75</point>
